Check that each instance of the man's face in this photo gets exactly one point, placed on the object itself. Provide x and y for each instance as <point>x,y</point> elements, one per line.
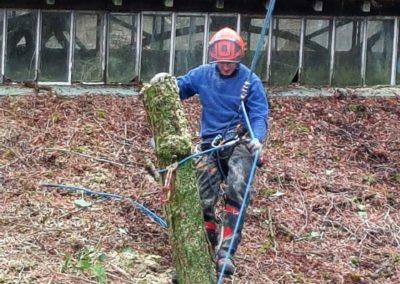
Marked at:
<point>226,68</point>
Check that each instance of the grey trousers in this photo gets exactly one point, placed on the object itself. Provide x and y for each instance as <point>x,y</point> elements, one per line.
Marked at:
<point>227,170</point>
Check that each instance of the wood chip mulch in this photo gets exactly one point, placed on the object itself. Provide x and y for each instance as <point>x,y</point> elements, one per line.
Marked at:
<point>325,209</point>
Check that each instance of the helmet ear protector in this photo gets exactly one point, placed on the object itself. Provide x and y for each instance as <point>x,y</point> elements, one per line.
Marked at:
<point>226,46</point>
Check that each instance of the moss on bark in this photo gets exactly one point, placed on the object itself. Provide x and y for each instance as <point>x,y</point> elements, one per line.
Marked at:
<point>167,119</point>
<point>192,258</point>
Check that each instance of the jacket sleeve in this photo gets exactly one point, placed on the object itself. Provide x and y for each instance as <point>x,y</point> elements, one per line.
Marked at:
<point>257,109</point>
<point>186,86</point>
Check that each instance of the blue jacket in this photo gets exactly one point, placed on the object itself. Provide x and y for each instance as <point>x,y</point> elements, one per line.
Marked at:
<point>220,99</point>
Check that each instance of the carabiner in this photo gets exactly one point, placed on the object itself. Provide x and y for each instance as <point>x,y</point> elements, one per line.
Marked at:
<point>217,141</point>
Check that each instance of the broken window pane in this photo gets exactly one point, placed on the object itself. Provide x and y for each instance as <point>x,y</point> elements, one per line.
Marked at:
<point>285,51</point>
<point>88,48</point>
<point>348,51</point>
<point>317,41</point>
<point>250,31</point>
<point>379,52</point>
<point>189,43</point>
<point>21,45</point>
<point>122,48</point>
<point>55,40</point>
<point>156,45</point>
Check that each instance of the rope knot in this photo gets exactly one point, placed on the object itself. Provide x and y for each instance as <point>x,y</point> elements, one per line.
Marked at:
<point>166,188</point>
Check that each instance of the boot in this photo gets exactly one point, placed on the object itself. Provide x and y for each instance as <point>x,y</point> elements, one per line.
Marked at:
<point>227,236</point>
<point>174,278</point>
<point>230,266</point>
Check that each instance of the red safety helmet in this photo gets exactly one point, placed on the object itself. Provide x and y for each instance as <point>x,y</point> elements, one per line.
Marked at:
<point>226,45</point>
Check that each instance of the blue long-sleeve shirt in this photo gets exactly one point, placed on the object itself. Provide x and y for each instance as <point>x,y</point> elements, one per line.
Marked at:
<point>220,99</point>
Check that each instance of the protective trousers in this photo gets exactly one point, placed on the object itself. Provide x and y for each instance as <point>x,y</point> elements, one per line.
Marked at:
<point>231,166</point>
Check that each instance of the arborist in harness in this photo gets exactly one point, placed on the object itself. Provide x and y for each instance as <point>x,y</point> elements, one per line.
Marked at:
<point>219,85</point>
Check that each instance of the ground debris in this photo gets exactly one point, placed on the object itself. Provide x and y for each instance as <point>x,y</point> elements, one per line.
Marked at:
<point>325,207</point>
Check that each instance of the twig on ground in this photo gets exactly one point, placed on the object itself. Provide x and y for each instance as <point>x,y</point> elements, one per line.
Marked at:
<point>74,277</point>
<point>271,231</point>
<point>87,156</point>
<point>303,203</point>
<point>120,270</point>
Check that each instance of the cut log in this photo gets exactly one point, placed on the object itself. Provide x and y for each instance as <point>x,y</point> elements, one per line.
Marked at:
<point>192,259</point>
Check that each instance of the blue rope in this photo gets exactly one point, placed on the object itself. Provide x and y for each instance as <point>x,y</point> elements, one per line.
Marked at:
<point>136,204</point>
<point>260,41</point>
<point>242,210</point>
<point>195,155</point>
<point>245,197</point>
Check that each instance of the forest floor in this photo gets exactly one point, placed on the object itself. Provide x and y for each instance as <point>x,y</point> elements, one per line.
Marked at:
<point>325,209</point>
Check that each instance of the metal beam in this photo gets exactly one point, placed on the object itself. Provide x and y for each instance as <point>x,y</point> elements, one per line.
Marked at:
<point>301,49</point>
<point>269,50</point>
<point>283,7</point>
<point>138,44</point>
<point>172,47</point>
<point>3,48</point>
<point>104,45</point>
<point>38,44</point>
<point>333,43</point>
<point>205,39</point>
<point>395,52</point>
<point>71,47</point>
<point>364,52</point>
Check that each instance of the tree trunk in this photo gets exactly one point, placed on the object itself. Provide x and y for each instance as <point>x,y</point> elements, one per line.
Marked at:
<point>191,256</point>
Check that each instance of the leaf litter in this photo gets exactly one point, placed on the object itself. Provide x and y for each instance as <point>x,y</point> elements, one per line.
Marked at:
<point>325,208</point>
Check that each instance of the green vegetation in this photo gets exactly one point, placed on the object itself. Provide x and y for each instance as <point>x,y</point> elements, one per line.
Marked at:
<point>88,260</point>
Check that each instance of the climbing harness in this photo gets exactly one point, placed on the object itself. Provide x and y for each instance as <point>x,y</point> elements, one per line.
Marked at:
<point>200,152</point>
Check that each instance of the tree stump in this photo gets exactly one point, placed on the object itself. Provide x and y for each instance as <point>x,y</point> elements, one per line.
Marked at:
<point>165,114</point>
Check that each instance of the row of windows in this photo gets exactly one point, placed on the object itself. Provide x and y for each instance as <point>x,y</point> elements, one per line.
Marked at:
<point>98,47</point>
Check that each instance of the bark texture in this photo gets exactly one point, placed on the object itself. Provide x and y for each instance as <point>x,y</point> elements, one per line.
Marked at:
<point>191,256</point>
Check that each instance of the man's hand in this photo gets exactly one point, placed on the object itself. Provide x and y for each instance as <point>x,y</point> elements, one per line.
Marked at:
<point>254,146</point>
<point>159,77</point>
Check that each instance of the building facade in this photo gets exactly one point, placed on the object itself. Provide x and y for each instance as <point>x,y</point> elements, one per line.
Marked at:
<point>318,43</point>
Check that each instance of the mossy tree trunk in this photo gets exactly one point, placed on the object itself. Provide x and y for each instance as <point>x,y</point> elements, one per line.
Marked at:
<point>191,256</point>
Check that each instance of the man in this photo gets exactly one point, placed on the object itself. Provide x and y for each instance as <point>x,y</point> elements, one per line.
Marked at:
<point>220,87</point>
